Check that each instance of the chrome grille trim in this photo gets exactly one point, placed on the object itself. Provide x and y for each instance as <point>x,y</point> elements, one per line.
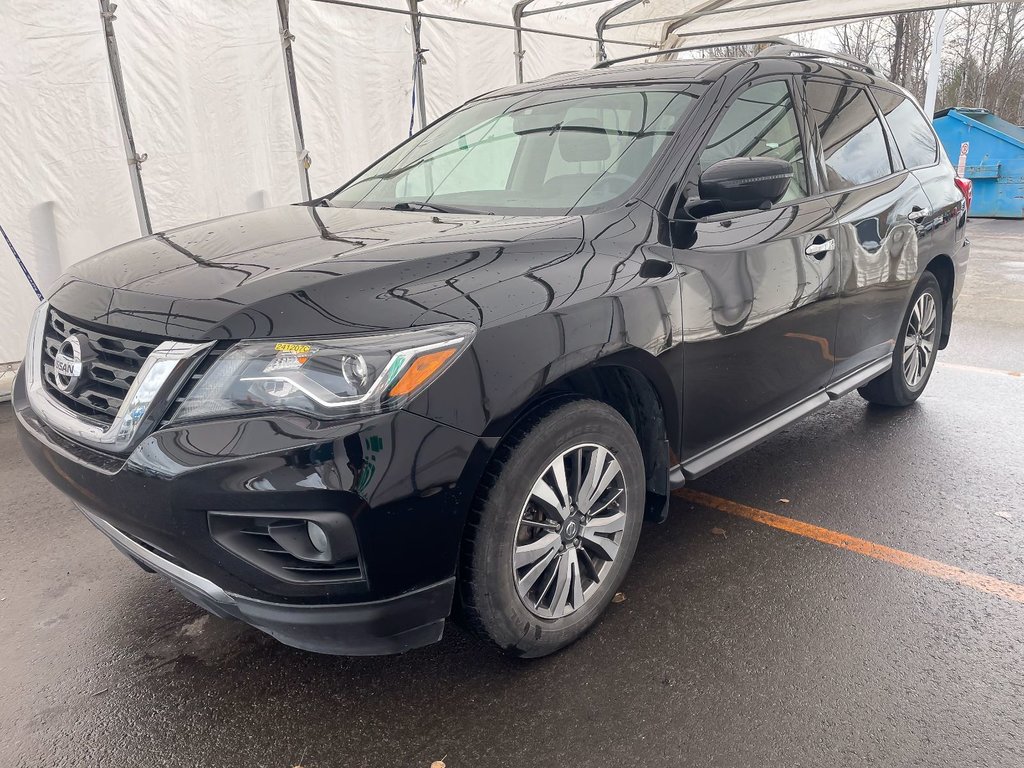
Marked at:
<point>153,388</point>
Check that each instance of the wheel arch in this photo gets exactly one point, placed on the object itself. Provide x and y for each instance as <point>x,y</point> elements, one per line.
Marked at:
<point>943,269</point>
<point>635,384</point>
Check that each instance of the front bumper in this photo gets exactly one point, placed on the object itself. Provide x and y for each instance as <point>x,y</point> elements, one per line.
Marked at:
<point>403,481</point>
<point>358,629</point>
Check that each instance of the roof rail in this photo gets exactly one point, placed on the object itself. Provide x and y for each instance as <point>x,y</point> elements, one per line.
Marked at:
<point>788,49</point>
<point>774,42</point>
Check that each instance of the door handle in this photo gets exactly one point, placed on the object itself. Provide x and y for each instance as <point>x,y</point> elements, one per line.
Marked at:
<point>820,247</point>
<point>917,215</point>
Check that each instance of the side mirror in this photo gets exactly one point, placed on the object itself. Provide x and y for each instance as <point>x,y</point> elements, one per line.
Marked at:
<point>745,183</point>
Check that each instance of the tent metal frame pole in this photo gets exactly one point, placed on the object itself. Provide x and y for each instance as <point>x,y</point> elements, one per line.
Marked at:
<point>693,15</point>
<point>708,8</point>
<point>518,11</point>
<point>821,20</point>
<point>605,19</point>
<point>566,7</point>
<point>301,153</point>
<point>418,60</point>
<point>710,12</point>
<point>135,160</point>
<point>481,23</point>
<point>935,62</point>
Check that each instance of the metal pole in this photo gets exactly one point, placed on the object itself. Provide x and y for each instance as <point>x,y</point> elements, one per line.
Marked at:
<point>301,153</point>
<point>490,24</point>
<point>602,23</point>
<point>517,20</point>
<point>835,20</point>
<point>566,7</point>
<point>417,63</point>
<point>935,63</point>
<point>135,160</point>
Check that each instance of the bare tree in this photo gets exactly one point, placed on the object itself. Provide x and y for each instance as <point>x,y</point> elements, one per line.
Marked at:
<point>984,61</point>
<point>983,64</point>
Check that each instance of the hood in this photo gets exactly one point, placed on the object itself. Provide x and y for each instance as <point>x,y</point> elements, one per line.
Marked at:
<point>301,271</point>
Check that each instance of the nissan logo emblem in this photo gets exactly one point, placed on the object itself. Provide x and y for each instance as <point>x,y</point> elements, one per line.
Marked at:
<point>67,364</point>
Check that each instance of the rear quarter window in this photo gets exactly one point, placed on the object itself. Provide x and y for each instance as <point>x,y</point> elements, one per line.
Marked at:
<point>852,138</point>
<point>914,136</point>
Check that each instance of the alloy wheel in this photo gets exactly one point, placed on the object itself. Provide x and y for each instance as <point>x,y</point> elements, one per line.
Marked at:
<point>919,341</point>
<point>569,531</point>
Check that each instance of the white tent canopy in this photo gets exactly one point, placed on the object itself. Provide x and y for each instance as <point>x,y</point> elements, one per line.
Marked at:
<point>212,102</point>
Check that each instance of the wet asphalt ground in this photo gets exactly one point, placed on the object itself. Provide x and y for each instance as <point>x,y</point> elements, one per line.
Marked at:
<point>738,644</point>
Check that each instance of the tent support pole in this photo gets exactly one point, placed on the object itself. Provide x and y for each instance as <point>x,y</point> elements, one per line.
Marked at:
<point>417,63</point>
<point>301,154</point>
<point>517,20</point>
<point>935,63</point>
<point>493,24</point>
<point>602,25</point>
<point>135,160</point>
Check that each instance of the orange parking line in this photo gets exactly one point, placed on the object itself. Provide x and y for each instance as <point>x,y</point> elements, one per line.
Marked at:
<point>978,581</point>
<point>978,369</point>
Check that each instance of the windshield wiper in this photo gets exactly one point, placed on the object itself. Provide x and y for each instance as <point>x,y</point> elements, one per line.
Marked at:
<point>416,206</point>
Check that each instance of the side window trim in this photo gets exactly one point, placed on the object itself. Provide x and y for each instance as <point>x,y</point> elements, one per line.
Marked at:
<point>895,153</point>
<point>812,140</point>
<point>820,145</point>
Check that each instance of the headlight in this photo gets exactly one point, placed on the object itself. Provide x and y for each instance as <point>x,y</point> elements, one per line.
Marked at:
<point>327,378</point>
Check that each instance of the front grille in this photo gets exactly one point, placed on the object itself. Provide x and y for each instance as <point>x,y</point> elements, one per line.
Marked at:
<point>110,374</point>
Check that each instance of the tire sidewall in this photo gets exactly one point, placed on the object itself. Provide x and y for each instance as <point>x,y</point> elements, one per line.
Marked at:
<point>927,284</point>
<point>507,620</point>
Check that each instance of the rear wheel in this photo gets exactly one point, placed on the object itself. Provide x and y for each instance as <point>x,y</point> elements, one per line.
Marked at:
<point>916,348</point>
<point>554,529</point>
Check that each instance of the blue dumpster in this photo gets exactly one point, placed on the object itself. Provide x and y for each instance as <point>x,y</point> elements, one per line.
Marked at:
<point>990,152</point>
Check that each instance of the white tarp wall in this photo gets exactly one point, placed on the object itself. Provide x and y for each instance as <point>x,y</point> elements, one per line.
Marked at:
<point>64,190</point>
<point>207,92</point>
<point>206,88</point>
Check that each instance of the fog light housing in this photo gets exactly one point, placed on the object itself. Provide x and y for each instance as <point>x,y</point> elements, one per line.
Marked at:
<point>295,546</point>
<point>318,538</point>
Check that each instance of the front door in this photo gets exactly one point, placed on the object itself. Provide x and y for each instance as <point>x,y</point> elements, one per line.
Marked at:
<point>759,288</point>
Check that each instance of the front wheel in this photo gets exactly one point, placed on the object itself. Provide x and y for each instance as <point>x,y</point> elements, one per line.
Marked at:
<point>916,349</point>
<point>553,529</point>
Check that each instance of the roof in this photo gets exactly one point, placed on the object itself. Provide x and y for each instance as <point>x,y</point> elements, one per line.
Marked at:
<point>667,71</point>
<point>688,70</point>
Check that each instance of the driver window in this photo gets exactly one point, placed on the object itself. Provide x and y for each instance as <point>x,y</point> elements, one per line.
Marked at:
<point>761,122</point>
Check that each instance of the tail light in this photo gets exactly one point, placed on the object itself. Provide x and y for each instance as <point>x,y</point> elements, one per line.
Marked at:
<point>966,188</point>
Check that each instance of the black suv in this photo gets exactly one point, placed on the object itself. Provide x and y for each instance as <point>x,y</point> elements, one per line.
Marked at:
<point>464,379</point>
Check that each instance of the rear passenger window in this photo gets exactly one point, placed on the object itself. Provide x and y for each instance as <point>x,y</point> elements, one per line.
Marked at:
<point>913,134</point>
<point>852,138</point>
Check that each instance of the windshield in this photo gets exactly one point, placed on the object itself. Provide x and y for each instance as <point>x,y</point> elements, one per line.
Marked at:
<point>546,152</point>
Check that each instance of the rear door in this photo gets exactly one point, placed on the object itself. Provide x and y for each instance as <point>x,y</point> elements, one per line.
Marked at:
<point>882,212</point>
<point>944,229</point>
<point>759,298</point>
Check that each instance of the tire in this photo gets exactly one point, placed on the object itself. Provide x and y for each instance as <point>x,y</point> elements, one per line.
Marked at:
<point>537,608</point>
<point>913,358</point>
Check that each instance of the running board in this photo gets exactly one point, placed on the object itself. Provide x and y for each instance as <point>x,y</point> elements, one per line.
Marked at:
<point>717,455</point>
<point>859,378</point>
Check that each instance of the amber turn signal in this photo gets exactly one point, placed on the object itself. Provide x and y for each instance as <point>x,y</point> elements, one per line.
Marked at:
<point>420,371</point>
